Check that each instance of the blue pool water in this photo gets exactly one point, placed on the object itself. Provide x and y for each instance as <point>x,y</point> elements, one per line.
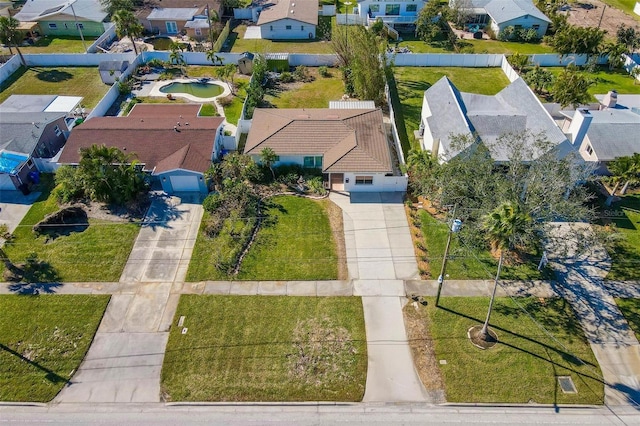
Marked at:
<point>9,161</point>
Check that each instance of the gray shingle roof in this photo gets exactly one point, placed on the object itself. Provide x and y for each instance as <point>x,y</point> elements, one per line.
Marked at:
<point>506,10</point>
<point>34,10</point>
<point>173,13</point>
<point>515,109</point>
<point>614,133</point>
<point>22,131</point>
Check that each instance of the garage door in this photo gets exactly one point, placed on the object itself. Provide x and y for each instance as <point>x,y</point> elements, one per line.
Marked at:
<point>184,183</point>
<point>5,183</point>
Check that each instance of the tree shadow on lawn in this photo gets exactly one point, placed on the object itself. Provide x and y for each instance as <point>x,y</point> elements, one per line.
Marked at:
<point>50,376</point>
<point>569,358</point>
<point>53,76</point>
<point>33,277</point>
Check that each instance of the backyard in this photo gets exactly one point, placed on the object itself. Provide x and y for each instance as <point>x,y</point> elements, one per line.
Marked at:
<point>411,83</point>
<point>96,253</point>
<point>314,94</point>
<point>257,348</point>
<point>68,81</point>
<point>43,339</point>
<point>605,80</point>
<point>236,43</point>
<point>59,44</point>
<point>538,341</point>
<point>473,46</point>
<point>295,242</point>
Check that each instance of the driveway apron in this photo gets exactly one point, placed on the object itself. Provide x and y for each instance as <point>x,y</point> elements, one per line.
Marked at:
<point>124,361</point>
<point>379,257</point>
<point>612,341</point>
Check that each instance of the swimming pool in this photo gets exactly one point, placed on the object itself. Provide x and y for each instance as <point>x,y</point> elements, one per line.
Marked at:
<point>197,89</point>
<point>10,161</point>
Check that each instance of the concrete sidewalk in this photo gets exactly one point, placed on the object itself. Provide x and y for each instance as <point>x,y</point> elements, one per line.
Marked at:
<point>581,283</point>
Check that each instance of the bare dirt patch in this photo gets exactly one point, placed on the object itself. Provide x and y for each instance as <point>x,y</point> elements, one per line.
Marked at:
<point>589,14</point>
<point>416,322</point>
<point>132,212</point>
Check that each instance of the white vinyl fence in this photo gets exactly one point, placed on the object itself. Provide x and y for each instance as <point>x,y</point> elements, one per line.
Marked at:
<point>104,40</point>
<point>9,67</point>
<point>446,60</point>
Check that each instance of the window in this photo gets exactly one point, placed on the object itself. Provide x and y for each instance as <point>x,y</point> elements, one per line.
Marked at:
<point>412,8</point>
<point>198,32</point>
<point>392,9</point>
<point>270,27</point>
<point>535,27</point>
<point>53,26</point>
<point>288,27</point>
<point>81,26</point>
<point>374,8</point>
<point>301,27</point>
<point>57,130</point>
<point>30,163</point>
<point>311,162</point>
<point>589,150</point>
<point>364,180</point>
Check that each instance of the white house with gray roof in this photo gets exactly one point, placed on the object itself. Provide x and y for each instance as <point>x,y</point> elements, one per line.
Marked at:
<point>606,133</point>
<point>447,113</point>
<point>289,20</point>
<point>500,14</point>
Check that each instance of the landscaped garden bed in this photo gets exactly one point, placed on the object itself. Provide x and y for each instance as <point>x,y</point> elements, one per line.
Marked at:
<point>257,348</point>
<point>43,340</point>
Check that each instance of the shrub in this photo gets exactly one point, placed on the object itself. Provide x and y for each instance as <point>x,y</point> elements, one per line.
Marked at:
<point>286,77</point>
<point>301,73</point>
<point>124,87</point>
<point>156,63</point>
<point>226,101</point>
<point>315,185</point>
<point>323,71</point>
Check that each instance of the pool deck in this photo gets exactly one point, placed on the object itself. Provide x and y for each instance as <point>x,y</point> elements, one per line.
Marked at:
<point>155,90</point>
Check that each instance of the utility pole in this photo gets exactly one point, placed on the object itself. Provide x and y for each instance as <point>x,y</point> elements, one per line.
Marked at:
<point>455,227</point>
<point>75,18</point>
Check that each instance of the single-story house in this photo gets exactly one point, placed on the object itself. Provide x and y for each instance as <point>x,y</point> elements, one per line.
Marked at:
<point>606,133</point>
<point>350,146</point>
<point>393,13</point>
<point>58,17</point>
<point>27,139</point>
<point>500,14</point>
<point>68,105</point>
<point>447,112</point>
<point>289,20</point>
<point>173,143</point>
<point>178,16</point>
<point>110,71</point>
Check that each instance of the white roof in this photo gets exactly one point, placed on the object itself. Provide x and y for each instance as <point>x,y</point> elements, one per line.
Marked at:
<point>64,104</point>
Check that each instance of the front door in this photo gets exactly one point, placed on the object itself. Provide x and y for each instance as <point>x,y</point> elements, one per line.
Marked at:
<point>337,181</point>
<point>172,27</point>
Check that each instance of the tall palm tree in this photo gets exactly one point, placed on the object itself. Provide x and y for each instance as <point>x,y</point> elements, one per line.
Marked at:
<point>505,226</point>
<point>127,25</point>
<point>10,35</point>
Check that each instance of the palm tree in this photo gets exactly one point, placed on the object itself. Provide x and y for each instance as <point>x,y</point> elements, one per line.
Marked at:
<point>268,157</point>
<point>175,56</point>
<point>624,169</point>
<point>213,57</point>
<point>127,25</point>
<point>10,35</point>
<point>505,226</point>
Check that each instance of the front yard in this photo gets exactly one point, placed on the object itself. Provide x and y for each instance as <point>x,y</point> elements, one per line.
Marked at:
<point>630,308</point>
<point>69,81</point>
<point>625,216</point>
<point>98,253</point>
<point>411,83</point>
<point>524,365</point>
<point>296,242</point>
<point>43,340</point>
<point>257,348</point>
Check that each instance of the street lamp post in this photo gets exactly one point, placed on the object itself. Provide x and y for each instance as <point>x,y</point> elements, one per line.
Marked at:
<point>455,227</point>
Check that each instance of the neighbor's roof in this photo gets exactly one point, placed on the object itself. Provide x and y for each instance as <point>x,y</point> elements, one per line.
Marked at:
<point>35,10</point>
<point>352,104</point>
<point>300,10</point>
<point>21,131</point>
<point>148,132</point>
<point>174,13</point>
<point>40,103</point>
<point>514,109</point>
<point>506,10</point>
<point>349,140</point>
<point>197,23</point>
<point>113,65</point>
<point>151,5</point>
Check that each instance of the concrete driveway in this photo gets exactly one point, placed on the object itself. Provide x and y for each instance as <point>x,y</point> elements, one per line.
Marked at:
<point>14,206</point>
<point>379,256</point>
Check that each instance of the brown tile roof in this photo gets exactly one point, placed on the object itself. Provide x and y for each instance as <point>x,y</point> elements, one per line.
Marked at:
<point>349,140</point>
<point>300,10</point>
<point>148,132</point>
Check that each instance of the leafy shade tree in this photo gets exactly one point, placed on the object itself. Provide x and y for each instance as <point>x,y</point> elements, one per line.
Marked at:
<point>112,6</point>
<point>268,157</point>
<point>10,35</point>
<point>127,25</point>
<point>505,227</point>
<point>422,166</point>
<point>103,174</point>
<point>571,39</point>
<point>255,91</point>
<point>629,37</point>
<point>428,22</point>
<point>571,87</point>
<point>539,78</point>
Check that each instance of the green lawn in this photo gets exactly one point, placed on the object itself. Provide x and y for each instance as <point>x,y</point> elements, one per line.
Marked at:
<point>294,243</point>
<point>475,46</point>
<point>606,80</point>
<point>631,310</point>
<point>248,348</point>
<point>625,215</point>
<point>411,82</point>
<point>98,253</point>
<point>315,94</point>
<point>43,340</point>
<point>463,263</point>
<point>239,44</point>
<point>232,111</point>
<point>69,81</point>
<point>624,5</point>
<point>523,366</point>
<point>60,44</point>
